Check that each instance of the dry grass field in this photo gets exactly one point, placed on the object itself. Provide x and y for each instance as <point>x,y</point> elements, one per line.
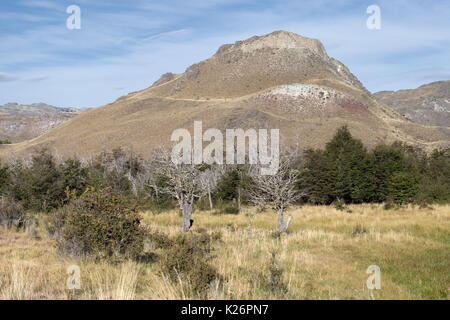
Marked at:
<point>324,256</point>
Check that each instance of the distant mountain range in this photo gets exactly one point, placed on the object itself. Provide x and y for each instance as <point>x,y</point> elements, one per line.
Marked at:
<point>279,80</point>
<point>20,122</point>
<point>429,104</point>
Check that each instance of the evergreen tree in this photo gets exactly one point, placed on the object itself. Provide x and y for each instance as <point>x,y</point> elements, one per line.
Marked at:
<point>403,187</point>
<point>38,185</point>
<point>232,185</point>
<point>316,178</point>
<point>227,187</point>
<point>353,170</point>
<point>387,160</point>
<point>73,176</point>
<point>46,190</point>
<point>434,183</point>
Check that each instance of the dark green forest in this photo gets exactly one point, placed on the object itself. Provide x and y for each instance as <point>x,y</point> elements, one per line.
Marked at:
<point>344,171</point>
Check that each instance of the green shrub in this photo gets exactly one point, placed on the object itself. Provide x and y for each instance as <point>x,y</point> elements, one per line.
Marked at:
<point>188,259</point>
<point>73,176</point>
<point>100,223</point>
<point>37,185</point>
<point>339,205</point>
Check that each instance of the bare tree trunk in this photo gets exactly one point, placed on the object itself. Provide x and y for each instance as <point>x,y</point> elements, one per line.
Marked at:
<point>186,220</point>
<point>209,197</point>
<point>283,225</point>
<point>239,199</point>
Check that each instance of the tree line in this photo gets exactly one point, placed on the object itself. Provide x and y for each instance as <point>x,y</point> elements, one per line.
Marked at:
<point>345,171</point>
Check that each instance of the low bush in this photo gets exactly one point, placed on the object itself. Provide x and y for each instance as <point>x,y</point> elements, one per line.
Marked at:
<point>188,260</point>
<point>339,205</point>
<point>100,223</point>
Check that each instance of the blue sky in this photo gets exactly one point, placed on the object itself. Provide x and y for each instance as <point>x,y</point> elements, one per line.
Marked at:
<point>124,46</point>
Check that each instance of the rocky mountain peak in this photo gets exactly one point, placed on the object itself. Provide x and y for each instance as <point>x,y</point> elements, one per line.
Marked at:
<point>257,64</point>
<point>277,40</point>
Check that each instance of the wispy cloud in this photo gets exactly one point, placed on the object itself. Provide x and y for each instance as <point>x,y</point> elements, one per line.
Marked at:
<point>4,77</point>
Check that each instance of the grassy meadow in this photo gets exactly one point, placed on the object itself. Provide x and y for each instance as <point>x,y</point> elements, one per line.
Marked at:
<point>324,256</point>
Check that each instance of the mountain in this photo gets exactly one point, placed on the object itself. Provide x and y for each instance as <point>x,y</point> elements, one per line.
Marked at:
<point>429,104</point>
<point>23,122</point>
<point>279,80</point>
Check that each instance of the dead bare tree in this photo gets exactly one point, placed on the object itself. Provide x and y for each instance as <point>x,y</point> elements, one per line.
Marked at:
<point>278,191</point>
<point>208,180</point>
<point>182,181</point>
